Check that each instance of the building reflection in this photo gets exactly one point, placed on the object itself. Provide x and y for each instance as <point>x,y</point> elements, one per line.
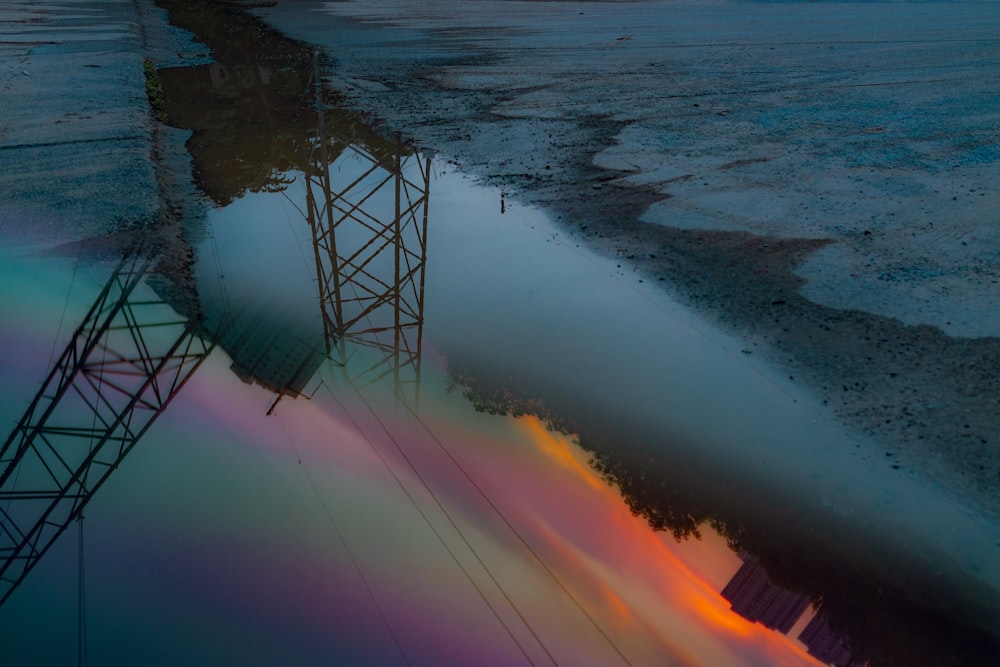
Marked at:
<point>268,351</point>
<point>753,595</point>
<point>826,645</point>
<point>755,598</point>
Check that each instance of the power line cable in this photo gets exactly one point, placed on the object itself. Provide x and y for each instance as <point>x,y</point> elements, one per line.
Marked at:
<point>413,501</point>
<point>503,517</point>
<point>344,544</point>
<point>69,293</point>
<point>520,615</point>
<point>521,538</point>
<point>437,533</point>
<point>81,646</point>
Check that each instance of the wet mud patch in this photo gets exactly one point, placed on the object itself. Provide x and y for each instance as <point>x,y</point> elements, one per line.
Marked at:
<point>249,111</point>
<point>260,122</point>
<point>252,111</point>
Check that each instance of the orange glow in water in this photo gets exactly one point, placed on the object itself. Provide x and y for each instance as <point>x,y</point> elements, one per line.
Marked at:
<point>559,449</point>
<point>636,577</point>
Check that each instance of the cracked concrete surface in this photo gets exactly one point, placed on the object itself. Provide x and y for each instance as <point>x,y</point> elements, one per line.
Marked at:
<point>75,133</point>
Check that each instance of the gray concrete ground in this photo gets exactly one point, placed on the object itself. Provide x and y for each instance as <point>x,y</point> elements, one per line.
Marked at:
<point>819,178</point>
<point>75,127</point>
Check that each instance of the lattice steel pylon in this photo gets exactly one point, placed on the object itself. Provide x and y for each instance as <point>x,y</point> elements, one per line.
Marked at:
<point>370,263</point>
<point>126,361</point>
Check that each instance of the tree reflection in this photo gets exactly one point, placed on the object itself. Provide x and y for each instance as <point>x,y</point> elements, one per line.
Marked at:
<point>865,616</point>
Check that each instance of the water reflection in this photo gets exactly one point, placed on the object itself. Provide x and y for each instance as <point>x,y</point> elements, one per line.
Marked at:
<point>126,361</point>
<point>263,123</point>
<point>755,597</point>
<point>370,268</point>
<point>149,331</point>
<point>827,645</point>
<point>361,208</point>
<point>256,131</point>
<point>861,609</point>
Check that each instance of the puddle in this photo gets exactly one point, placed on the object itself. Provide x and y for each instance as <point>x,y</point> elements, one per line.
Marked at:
<point>350,459</point>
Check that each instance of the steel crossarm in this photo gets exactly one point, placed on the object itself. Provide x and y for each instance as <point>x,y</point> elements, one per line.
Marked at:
<point>126,361</point>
